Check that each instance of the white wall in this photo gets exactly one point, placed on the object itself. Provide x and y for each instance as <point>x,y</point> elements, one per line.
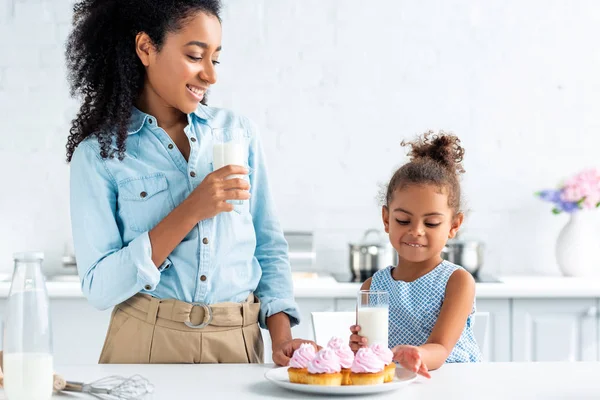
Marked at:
<point>335,86</point>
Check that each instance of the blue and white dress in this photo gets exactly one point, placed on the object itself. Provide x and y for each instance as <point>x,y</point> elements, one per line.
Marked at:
<point>415,307</point>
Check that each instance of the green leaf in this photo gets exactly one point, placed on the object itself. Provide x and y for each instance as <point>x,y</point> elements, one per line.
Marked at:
<point>580,202</point>
<point>556,211</point>
<point>598,205</point>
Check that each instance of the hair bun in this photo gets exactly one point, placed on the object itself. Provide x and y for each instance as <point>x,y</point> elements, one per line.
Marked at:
<point>442,148</point>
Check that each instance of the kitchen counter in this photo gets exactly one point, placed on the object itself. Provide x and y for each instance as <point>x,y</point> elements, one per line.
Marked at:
<point>509,287</point>
<point>328,287</point>
<point>561,380</point>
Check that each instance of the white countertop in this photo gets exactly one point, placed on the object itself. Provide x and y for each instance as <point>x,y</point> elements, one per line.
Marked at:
<point>561,380</point>
<point>509,287</point>
<point>328,287</point>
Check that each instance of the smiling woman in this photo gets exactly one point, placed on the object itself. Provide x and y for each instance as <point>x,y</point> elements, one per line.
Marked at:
<point>154,232</point>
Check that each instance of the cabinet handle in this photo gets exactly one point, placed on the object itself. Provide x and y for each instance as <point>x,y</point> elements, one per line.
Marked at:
<point>592,312</point>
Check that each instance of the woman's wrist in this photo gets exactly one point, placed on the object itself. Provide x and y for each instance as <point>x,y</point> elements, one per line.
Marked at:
<point>279,328</point>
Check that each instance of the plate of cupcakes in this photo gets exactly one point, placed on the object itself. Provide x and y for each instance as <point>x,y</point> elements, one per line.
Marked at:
<point>335,369</point>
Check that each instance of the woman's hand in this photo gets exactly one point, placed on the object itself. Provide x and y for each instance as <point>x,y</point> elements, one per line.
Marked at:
<point>410,358</point>
<point>356,341</point>
<point>211,195</point>
<point>282,352</point>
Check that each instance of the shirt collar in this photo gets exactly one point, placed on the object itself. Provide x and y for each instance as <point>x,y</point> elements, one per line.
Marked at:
<point>138,118</point>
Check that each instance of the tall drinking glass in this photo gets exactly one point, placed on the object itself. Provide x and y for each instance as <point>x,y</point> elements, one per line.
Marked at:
<point>27,342</point>
<point>372,316</point>
<point>230,147</point>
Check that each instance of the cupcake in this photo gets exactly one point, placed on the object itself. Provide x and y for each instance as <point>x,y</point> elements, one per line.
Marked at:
<point>367,368</point>
<point>346,356</point>
<point>325,369</point>
<point>298,371</point>
<point>386,356</point>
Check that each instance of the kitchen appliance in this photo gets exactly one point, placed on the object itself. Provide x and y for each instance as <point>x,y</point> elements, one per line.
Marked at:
<point>374,252</point>
<point>466,253</point>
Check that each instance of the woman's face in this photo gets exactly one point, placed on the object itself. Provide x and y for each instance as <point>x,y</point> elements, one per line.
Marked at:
<point>184,68</point>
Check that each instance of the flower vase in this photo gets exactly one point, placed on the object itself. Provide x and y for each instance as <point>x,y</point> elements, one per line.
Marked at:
<point>578,244</point>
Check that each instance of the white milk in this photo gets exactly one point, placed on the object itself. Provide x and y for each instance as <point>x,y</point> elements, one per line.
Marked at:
<point>28,376</point>
<point>230,153</point>
<point>373,323</point>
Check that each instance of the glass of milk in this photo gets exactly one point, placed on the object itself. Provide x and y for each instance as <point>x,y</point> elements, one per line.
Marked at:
<point>230,147</point>
<point>372,316</point>
<point>27,341</point>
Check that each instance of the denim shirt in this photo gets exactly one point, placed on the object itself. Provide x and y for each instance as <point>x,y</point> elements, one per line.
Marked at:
<point>114,204</point>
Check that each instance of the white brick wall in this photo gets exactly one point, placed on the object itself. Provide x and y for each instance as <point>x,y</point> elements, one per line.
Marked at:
<point>335,86</point>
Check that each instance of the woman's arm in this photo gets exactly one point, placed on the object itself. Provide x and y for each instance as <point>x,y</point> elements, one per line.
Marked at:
<point>279,311</point>
<point>112,271</point>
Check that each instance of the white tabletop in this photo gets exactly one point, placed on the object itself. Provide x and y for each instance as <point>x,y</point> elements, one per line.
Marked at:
<point>561,380</point>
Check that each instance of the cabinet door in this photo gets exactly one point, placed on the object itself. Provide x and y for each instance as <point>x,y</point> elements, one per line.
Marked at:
<point>555,330</point>
<point>78,331</point>
<point>496,346</point>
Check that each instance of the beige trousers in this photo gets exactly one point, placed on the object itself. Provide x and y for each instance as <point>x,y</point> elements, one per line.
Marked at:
<point>144,330</point>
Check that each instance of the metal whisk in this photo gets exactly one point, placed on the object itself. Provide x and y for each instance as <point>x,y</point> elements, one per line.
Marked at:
<point>114,387</point>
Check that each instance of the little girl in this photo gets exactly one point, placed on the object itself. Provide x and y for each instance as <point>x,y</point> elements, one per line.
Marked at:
<point>432,301</point>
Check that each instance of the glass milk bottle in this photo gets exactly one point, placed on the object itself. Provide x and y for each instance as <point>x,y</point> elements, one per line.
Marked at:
<point>27,359</point>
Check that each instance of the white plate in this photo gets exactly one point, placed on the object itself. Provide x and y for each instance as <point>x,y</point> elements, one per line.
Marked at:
<point>279,376</point>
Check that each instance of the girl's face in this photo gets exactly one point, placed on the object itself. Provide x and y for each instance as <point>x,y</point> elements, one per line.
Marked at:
<point>183,70</point>
<point>419,222</point>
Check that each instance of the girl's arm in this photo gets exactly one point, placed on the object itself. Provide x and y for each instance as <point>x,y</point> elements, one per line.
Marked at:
<point>457,306</point>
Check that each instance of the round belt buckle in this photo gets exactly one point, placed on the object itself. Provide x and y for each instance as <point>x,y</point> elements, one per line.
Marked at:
<point>207,310</point>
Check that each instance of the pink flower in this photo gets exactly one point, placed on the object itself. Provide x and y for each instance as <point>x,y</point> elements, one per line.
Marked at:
<point>584,187</point>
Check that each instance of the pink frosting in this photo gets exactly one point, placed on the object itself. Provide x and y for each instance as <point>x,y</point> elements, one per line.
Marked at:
<point>302,356</point>
<point>383,353</point>
<point>366,361</point>
<point>325,362</point>
<point>342,350</point>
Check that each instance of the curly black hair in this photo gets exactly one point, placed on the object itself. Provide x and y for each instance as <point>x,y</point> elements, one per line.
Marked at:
<point>103,67</point>
<point>435,159</point>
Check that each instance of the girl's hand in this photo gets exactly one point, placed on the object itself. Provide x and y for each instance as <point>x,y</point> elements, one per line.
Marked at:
<point>356,341</point>
<point>211,195</point>
<point>409,358</point>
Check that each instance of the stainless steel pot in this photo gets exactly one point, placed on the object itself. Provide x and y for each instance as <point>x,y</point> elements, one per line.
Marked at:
<point>466,253</point>
<point>373,253</point>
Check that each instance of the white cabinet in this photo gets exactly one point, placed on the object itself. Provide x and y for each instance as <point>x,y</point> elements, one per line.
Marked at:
<point>345,304</point>
<point>497,343</point>
<point>555,330</point>
<point>78,331</point>
<point>304,329</point>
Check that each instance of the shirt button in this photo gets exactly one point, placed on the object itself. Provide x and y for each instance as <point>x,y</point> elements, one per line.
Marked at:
<point>151,121</point>
<point>167,266</point>
<point>205,240</point>
<point>170,146</point>
<point>193,139</point>
<point>143,194</point>
<point>148,287</point>
<point>203,278</point>
<point>193,174</point>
